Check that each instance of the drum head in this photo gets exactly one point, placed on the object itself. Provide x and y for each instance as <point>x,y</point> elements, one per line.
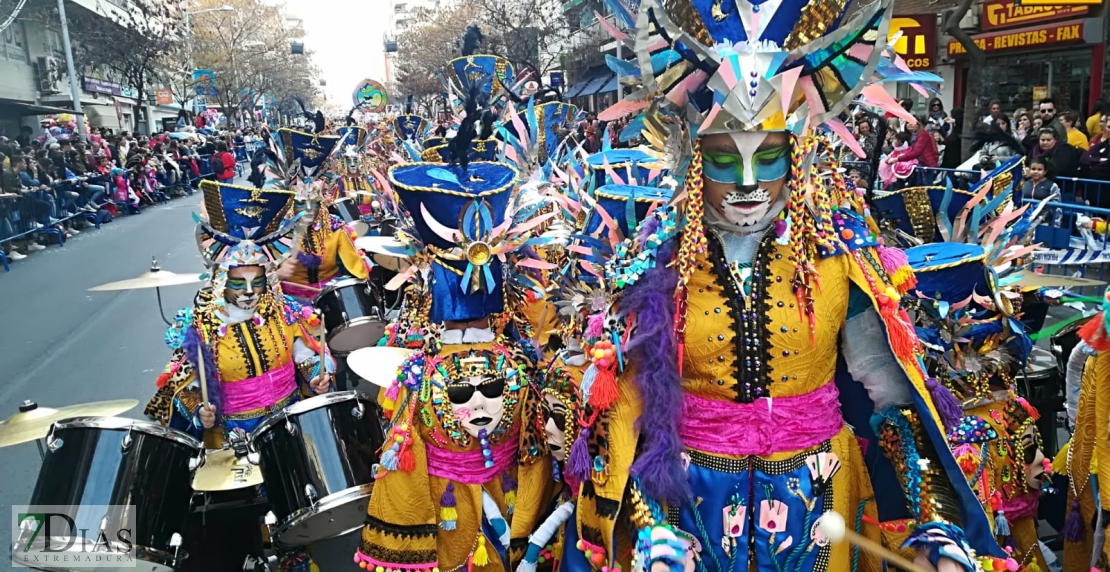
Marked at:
<point>378,365</point>
<point>340,514</point>
<point>360,228</point>
<point>357,334</point>
<point>385,251</point>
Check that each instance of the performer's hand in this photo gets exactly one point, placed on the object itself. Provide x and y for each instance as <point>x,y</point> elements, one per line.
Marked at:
<point>285,271</point>
<point>320,384</point>
<point>207,414</point>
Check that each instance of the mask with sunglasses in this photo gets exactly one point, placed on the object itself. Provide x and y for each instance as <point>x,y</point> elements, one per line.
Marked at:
<point>478,388</point>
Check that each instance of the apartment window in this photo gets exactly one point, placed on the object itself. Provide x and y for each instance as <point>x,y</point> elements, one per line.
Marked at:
<point>400,8</point>
<point>14,44</point>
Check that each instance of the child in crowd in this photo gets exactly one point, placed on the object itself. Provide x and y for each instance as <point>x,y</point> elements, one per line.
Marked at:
<point>1038,186</point>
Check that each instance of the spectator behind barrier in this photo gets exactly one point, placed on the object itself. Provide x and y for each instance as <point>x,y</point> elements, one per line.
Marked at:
<point>1063,159</point>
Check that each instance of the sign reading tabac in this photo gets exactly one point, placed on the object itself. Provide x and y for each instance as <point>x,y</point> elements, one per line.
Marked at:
<point>998,14</point>
<point>918,44</point>
<point>1069,32</point>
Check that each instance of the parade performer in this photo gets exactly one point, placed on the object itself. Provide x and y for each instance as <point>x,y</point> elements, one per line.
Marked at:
<point>260,348</point>
<point>327,249</point>
<point>1086,458</point>
<point>724,428</point>
<point>975,345</point>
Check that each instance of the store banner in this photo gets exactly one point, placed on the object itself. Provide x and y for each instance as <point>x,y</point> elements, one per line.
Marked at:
<point>97,85</point>
<point>918,44</point>
<point>163,97</point>
<point>998,14</point>
<point>1070,32</point>
<point>205,82</point>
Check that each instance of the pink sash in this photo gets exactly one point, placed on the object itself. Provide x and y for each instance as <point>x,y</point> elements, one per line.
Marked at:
<point>769,425</point>
<point>469,467</point>
<point>259,392</point>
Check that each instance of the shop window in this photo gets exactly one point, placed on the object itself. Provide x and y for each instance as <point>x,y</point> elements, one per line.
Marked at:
<point>13,45</point>
<point>1019,81</point>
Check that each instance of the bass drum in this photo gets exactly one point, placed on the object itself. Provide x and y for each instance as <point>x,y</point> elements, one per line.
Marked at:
<point>92,463</point>
<point>318,460</point>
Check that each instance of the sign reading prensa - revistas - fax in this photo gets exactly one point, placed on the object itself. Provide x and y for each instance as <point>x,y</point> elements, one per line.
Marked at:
<point>1070,32</point>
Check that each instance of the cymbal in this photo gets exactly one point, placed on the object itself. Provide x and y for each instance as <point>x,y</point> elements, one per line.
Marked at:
<point>385,251</point>
<point>360,227</point>
<point>150,279</point>
<point>223,471</point>
<point>378,365</point>
<point>33,422</point>
<point>1031,279</point>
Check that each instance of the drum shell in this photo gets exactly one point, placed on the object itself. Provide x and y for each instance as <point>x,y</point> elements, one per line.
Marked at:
<point>352,313</point>
<point>153,473</point>
<point>346,210</point>
<point>332,447</point>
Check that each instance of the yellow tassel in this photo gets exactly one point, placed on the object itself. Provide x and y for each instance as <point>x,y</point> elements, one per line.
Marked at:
<point>448,513</point>
<point>312,567</point>
<point>510,499</point>
<point>1060,463</point>
<point>481,555</point>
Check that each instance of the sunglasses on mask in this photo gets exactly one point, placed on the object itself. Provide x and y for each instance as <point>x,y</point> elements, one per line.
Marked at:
<point>460,393</point>
<point>727,168</point>
<point>559,416</point>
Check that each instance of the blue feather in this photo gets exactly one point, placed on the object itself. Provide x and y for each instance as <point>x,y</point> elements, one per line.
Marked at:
<point>663,60</point>
<point>606,141</point>
<point>943,210</point>
<point>633,129</point>
<point>533,125</point>
<point>442,174</point>
<point>621,67</point>
<point>622,12</point>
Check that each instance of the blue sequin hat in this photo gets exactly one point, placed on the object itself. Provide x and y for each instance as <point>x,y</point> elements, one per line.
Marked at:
<point>626,206</point>
<point>949,271</point>
<point>631,166</point>
<point>913,210</point>
<point>460,216</point>
<point>245,226</point>
<point>309,150</point>
<point>410,126</point>
<point>352,135</point>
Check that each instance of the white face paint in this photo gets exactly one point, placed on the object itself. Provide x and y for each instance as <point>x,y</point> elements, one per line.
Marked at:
<point>245,286</point>
<point>748,204</point>
<point>477,402</point>
<point>744,174</point>
<point>555,427</point>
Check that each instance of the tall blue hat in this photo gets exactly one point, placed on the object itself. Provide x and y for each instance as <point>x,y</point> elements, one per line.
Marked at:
<point>950,271</point>
<point>624,162</point>
<point>627,205</point>
<point>483,71</point>
<point>245,226</point>
<point>913,210</point>
<point>478,150</point>
<point>435,141</point>
<point>309,149</point>
<point>410,126</point>
<point>352,135</point>
<point>460,217</point>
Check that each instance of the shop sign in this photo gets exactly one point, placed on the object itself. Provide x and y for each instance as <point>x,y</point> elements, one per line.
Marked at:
<point>918,44</point>
<point>1040,92</point>
<point>163,97</point>
<point>1024,38</point>
<point>999,14</point>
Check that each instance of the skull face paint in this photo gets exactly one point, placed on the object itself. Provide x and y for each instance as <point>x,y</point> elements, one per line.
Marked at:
<point>744,174</point>
<point>477,402</point>
<point>244,288</point>
<point>554,426</point>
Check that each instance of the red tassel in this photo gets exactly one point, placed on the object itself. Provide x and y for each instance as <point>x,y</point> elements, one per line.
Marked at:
<point>162,379</point>
<point>1032,411</point>
<point>603,394</point>
<point>407,463</point>
<point>1094,334</point>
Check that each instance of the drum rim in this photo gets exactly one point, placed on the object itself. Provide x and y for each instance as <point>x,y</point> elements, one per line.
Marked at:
<point>343,283</point>
<point>299,408</point>
<point>122,423</point>
<point>354,323</point>
<point>327,503</point>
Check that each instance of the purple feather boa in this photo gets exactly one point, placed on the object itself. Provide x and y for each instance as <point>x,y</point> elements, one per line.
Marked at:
<point>654,349</point>
<point>309,260</point>
<point>211,373</point>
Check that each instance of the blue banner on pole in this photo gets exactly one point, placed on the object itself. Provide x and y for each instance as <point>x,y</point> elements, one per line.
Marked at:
<point>205,82</point>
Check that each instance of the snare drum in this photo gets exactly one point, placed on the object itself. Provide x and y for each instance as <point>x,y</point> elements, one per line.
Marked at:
<point>346,209</point>
<point>352,313</point>
<point>317,458</point>
<point>96,461</point>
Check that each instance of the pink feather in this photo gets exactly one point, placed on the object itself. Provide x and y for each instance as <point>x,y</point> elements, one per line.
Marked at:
<point>617,34</point>
<point>438,228</point>
<point>846,136</point>
<point>612,174</point>
<point>876,94</point>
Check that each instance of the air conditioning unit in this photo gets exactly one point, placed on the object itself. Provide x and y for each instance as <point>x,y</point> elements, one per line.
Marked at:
<point>49,75</point>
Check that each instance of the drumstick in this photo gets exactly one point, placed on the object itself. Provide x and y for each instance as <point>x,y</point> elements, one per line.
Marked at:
<point>200,374</point>
<point>833,527</point>
<point>306,287</point>
<point>323,348</point>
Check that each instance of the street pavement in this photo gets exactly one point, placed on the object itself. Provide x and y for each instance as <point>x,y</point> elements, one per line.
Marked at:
<point>61,345</point>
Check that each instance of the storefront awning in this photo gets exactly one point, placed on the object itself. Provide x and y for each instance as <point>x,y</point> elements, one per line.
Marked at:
<point>596,84</point>
<point>610,85</point>
<point>11,107</point>
<point>582,87</point>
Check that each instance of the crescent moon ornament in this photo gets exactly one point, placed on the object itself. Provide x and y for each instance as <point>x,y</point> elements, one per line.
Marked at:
<point>370,96</point>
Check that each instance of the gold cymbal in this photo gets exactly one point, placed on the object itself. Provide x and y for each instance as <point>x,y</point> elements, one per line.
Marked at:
<point>378,365</point>
<point>33,422</point>
<point>1031,279</point>
<point>151,279</point>
<point>223,471</point>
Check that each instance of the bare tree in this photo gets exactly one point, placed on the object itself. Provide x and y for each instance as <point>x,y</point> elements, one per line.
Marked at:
<point>978,62</point>
<point>527,32</point>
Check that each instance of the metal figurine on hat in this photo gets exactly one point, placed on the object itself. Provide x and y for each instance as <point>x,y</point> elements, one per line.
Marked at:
<point>446,497</point>
<point>725,427</point>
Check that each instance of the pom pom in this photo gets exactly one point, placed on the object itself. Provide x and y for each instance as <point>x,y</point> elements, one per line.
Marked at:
<point>510,499</point>
<point>389,460</point>
<point>595,326</point>
<point>948,408</point>
<point>162,379</point>
<point>481,555</point>
<point>832,526</point>
<point>1073,525</point>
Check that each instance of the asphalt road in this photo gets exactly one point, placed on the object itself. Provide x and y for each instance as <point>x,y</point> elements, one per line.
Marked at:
<point>61,345</point>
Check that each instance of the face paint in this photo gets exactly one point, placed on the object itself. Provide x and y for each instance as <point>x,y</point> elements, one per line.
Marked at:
<point>477,402</point>
<point>245,286</point>
<point>744,184</point>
